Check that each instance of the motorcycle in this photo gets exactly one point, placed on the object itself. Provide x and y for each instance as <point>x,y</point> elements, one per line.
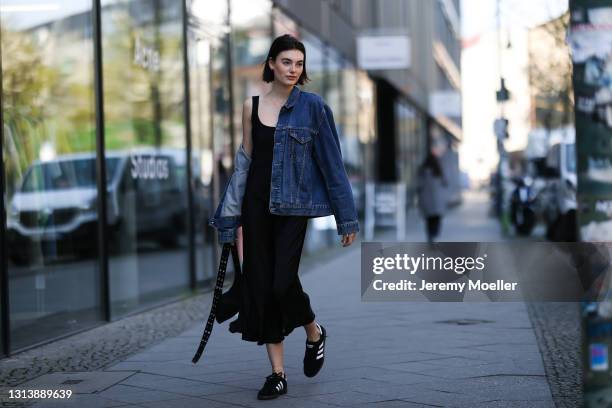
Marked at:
<point>522,206</point>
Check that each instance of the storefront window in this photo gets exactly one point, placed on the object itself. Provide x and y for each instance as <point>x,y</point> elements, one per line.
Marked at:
<point>144,130</point>
<point>49,154</point>
<point>210,113</point>
<point>352,148</point>
<point>315,62</point>
<point>251,37</point>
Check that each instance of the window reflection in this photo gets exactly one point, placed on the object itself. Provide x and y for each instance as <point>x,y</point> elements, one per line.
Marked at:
<point>209,110</point>
<point>49,151</point>
<point>144,128</point>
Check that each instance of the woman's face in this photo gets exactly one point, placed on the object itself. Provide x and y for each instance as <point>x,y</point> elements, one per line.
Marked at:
<point>287,67</point>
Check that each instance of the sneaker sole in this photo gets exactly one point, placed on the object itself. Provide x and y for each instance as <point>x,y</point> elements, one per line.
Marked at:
<point>269,397</point>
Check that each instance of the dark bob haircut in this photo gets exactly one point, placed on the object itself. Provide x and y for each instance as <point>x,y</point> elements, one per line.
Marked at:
<point>280,44</point>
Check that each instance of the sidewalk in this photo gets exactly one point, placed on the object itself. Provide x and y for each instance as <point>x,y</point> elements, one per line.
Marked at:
<point>377,355</point>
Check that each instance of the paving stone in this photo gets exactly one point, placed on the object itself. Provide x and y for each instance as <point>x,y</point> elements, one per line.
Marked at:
<point>186,402</point>
<point>82,400</point>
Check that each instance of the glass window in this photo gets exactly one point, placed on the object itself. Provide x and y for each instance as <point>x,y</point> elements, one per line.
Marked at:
<point>315,62</point>
<point>210,120</point>
<point>145,130</point>
<point>251,36</point>
<point>49,156</point>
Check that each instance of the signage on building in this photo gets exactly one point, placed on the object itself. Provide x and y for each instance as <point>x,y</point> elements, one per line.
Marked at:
<point>445,103</point>
<point>146,57</point>
<point>150,167</point>
<point>383,52</point>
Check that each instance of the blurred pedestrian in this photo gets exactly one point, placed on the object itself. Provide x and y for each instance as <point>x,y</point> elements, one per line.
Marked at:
<point>295,173</point>
<point>431,190</point>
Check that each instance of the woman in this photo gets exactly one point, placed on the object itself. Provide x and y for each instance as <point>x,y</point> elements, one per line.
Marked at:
<point>289,168</point>
<point>432,196</point>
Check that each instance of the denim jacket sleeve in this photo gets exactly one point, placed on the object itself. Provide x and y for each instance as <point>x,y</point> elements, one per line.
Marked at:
<point>227,216</point>
<point>328,156</point>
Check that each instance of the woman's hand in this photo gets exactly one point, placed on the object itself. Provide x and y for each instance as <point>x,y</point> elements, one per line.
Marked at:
<point>347,239</point>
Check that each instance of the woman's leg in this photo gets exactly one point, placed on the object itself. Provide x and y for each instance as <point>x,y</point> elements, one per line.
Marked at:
<point>312,332</point>
<point>438,222</point>
<point>275,354</point>
<point>430,228</point>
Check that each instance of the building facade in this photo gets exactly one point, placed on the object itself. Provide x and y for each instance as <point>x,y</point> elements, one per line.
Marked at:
<point>119,121</point>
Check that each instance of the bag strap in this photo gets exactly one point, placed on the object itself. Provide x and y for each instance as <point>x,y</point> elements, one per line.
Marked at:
<point>217,294</point>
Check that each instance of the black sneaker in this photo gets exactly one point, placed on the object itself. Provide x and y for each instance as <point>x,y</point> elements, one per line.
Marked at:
<point>276,384</point>
<point>315,354</point>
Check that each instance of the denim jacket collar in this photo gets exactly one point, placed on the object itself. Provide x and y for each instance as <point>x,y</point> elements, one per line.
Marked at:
<point>293,97</point>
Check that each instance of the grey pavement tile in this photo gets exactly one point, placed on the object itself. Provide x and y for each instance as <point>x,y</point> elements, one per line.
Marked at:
<point>345,398</point>
<point>324,387</point>
<point>248,398</point>
<point>442,399</point>
<point>456,362</point>
<point>513,404</point>
<point>531,347</point>
<point>81,382</point>
<point>298,403</point>
<point>393,377</point>
<point>539,391</point>
<point>250,383</point>
<point>423,392</point>
<point>484,370</point>
<point>394,403</point>
<point>136,395</point>
<point>186,402</point>
<point>175,385</point>
<point>81,400</point>
<point>501,387</point>
<point>226,377</point>
<point>179,369</point>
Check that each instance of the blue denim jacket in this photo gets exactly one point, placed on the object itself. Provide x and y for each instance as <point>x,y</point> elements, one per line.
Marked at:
<point>308,175</point>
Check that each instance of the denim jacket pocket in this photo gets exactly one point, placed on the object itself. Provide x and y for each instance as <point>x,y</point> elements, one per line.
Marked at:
<point>300,135</point>
<point>300,157</point>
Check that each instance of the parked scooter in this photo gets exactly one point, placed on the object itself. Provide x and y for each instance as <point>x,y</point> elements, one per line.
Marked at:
<point>522,203</point>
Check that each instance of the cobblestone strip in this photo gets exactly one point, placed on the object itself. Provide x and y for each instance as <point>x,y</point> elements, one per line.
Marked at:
<point>557,327</point>
<point>98,348</point>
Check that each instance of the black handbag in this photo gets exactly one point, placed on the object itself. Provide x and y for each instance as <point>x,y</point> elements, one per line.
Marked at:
<point>231,300</point>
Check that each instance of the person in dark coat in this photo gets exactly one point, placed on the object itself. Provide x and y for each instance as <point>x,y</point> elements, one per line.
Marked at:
<point>431,190</point>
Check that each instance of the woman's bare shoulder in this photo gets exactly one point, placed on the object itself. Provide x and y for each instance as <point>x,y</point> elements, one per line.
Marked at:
<point>247,106</point>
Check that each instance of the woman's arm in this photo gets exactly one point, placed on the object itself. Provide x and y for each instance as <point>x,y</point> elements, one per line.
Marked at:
<point>327,153</point>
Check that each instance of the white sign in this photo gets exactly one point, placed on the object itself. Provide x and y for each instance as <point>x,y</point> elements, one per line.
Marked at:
<point>149,167</point>
<point>146,57</point>
<point>445,103</point>
<point>383,52</point>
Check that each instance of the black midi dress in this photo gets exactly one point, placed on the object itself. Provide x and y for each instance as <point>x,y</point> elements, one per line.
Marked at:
<point>271,299</point>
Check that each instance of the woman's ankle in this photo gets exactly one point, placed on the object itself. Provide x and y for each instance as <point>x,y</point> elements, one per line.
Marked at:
<point>314,335</point>
<point>312,332</point>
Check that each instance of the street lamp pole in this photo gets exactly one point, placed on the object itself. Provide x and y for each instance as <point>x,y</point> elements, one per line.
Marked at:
<point>500,131</point>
